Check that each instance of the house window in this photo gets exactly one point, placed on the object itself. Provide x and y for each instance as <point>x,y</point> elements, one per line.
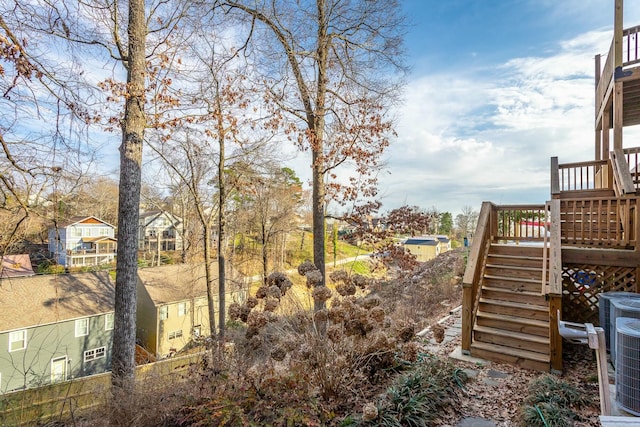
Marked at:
<point>77,232</point>
<point>82,327</point>
<point>182,308</point>
<point>164,312</point>
<point>93,354</point>
<point>17,340</point>
<point>108,321</point>
<point>175,334</point>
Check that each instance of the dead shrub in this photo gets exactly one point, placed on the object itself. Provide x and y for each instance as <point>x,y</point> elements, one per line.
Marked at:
<point>321,293</point>
<point>314,278</point>
<point>306,267</point>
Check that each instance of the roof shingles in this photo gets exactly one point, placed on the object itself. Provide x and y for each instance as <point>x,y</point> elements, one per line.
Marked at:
<point>37,300</point>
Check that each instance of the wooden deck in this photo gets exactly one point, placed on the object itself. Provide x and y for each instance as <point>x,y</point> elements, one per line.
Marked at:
<point>528,264</point>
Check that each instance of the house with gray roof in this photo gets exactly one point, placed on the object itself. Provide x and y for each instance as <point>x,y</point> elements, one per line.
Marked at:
<point>173,308</point>
<point>54,328</point>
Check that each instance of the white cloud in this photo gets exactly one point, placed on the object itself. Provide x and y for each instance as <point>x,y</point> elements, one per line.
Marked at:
<point>490,135</point>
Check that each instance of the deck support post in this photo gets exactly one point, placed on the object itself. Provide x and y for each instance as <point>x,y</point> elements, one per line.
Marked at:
<point>606,124</point>
<point>617,65</point>
<point>598,149</point>
<point>617,116</point>
<point>555,286</point>
<point>555,340</point>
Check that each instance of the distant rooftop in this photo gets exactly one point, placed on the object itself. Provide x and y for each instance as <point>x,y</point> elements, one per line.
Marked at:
<point>15,266</point>
<point>428,241</point>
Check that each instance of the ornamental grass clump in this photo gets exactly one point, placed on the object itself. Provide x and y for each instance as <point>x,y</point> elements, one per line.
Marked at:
<point>416,398</point>
<point>553,402</point>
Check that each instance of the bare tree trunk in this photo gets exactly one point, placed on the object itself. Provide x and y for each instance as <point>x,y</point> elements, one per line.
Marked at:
<point>264,254</point>
<point>222,196</point>
<point>209,279</point>
<point>317,149</point>
<point>133,125</point>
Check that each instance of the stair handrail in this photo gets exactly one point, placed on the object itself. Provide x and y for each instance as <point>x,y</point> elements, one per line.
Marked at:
<point>605,80</point>
<point>473,272</point>
<point>622,181</point>
<point>632,155</point>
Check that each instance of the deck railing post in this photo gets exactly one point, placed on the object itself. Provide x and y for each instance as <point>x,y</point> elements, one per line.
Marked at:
<point>635,223</point>
<point>555,177</point>
<point>555,287</point>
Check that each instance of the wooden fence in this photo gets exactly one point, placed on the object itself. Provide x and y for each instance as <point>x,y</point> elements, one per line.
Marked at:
<point>60,400</point>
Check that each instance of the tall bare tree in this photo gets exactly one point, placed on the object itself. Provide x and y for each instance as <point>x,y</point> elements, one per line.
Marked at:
<point>186,157</point>
<point>39,115</point>
<point>466,222</point>
<point>133,126</point>
<point>332,73</point>
<point>224,111</point>
<point>272,200</point>
<point>138,39</point>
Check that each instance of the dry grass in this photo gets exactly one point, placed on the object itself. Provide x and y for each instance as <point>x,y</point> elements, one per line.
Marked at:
<point>283,372</point>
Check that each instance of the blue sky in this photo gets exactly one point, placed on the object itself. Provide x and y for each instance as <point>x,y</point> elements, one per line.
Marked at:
<point>497,88</point>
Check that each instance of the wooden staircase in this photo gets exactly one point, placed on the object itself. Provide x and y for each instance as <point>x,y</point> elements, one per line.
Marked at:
<point>512,319</point>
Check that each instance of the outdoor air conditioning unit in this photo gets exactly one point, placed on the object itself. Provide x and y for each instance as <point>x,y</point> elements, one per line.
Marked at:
<point>604,310</point>
<point>628,364</point>
<point>625,307</point>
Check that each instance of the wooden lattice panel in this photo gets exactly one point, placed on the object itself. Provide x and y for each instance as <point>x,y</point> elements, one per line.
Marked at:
<point>581,284</point>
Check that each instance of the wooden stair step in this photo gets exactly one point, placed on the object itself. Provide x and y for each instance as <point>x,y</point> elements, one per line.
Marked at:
<point>515,250</point>
<point>519,257</point>
<point>514,272</point>
<point>515,267</point>
<point>513,285</point>
<point>513,279</point>
<point>511,334</point>
<point>513,323</point>
<point>515,259</point>
<point>515,295</point>
<point>514,308</point>
<point>506,260</point>
<point>523,358</point>
<point>513,304</point>
<point>507,338</point>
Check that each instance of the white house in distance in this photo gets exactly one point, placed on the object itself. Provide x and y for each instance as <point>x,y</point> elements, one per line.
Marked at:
<point>159,228</point>
<point>83,241</point>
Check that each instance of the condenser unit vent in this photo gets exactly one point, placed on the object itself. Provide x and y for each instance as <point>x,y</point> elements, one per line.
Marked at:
<point>625,307</point>
<point>604,310</point>
<point>628,364</point>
